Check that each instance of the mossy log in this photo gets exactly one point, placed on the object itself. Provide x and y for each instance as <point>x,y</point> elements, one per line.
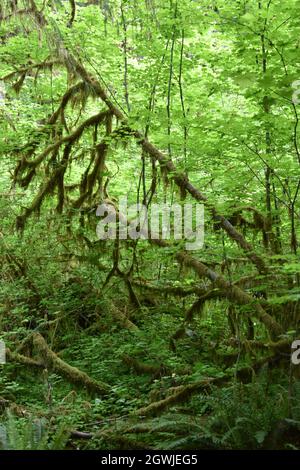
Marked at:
<point>184,392</point>
<point>74,375</point>
<point>122,319</point>
<point>21,359</point>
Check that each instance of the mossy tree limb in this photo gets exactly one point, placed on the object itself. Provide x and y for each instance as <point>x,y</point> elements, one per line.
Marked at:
<point>74,375</point>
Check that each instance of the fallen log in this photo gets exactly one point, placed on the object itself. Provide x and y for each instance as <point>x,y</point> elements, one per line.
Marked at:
<point>232,292</point>
<point>229,290</point>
